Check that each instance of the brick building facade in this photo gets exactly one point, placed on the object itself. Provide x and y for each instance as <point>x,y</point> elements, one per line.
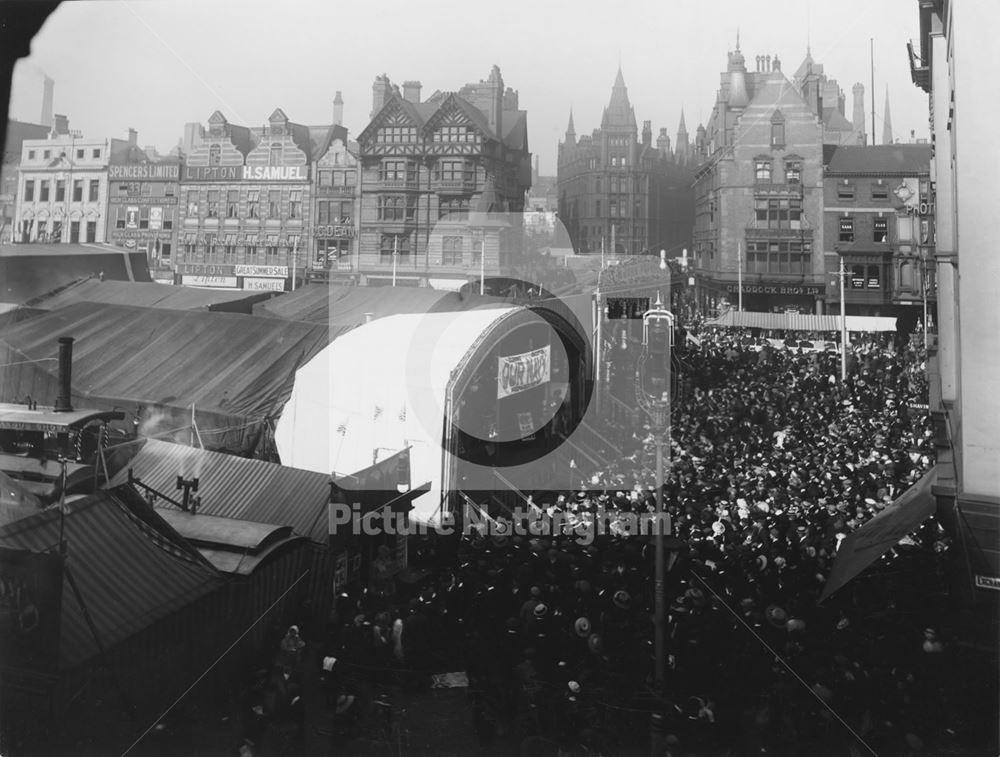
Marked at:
<point>879,218</point>
<point>143,205</point>
<point>759,195</point>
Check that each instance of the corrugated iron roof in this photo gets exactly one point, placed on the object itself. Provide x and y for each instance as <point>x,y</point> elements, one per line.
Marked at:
<point>129,574</point>
<point>236,367</point>
<point>236,487</point>
<point>150,295</point>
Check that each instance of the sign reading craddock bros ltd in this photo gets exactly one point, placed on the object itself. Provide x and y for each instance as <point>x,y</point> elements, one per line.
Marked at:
<point>517,373</point>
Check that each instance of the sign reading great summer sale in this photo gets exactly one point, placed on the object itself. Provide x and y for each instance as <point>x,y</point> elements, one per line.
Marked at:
<point>518,373</point>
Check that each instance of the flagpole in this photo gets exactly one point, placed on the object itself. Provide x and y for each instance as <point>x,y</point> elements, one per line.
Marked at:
<point>602,252</point>
<point>395,253</point>
<point>739,275</point>
<point>295,257</point>
<point>482,266</point>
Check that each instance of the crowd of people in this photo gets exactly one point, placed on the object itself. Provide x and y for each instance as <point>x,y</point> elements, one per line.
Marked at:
<point>773,462</point>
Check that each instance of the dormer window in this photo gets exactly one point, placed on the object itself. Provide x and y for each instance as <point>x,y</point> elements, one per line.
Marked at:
<point>214,155</point>
<point>777,130</point>
<point>274,158</point>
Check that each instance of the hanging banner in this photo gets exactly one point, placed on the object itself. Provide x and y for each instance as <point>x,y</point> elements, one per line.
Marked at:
<point>518,373</point>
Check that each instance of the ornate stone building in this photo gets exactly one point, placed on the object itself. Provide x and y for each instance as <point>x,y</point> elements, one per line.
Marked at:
<point>442,184</point>
<point>622,194</point>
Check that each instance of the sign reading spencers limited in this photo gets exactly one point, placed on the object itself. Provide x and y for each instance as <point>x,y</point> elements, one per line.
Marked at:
<point>517,373</point>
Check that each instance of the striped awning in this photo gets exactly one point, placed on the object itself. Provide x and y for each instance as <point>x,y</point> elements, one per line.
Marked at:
<point>799,322</point>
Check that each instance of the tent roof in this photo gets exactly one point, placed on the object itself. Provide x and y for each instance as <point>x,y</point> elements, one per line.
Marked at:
<point>235,487</point>
<point>392,397</point>
<point>131,571</point>
<point>236,366</point>
<point>798,322</point>
<point>150,295</point>
<point>30,270</point>
<point>345,307</point>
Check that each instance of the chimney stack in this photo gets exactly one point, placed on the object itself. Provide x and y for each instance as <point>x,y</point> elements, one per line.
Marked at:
<point>380,90</point>
<point>411,91</point>
<point>133,138</point>
<point>47,90</point>
<point>60,125</point>
<point>338,109</point>
<point>647,133</point>
<point>64,398</point>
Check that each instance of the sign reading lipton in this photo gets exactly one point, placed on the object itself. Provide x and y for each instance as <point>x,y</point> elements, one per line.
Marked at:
<point>245,173</point>
<point>273,271</point>
<point>517,373</point>
<point>145,171</point>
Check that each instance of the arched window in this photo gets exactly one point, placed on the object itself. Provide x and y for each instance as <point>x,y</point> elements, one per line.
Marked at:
<point>214,155</point>
<point>777,130</point>
<point>274,158</point>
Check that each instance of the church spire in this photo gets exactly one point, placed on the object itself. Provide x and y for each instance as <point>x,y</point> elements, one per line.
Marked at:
<point>682,129</point>
<point>570,131</point>
<point>619,111</point>
<point>886,121</point>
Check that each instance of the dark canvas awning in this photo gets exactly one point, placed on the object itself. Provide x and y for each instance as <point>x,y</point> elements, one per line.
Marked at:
<point>866,545</point>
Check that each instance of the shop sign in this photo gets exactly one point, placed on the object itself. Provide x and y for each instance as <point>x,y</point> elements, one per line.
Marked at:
<point>988,582</point>
<point>155,218</point>
<point>265,285</point>
<point>140,200</point>
<point>279,271</point>
<point>245,173</point>
<point>203,269</point>
<point>331,231</point>
<point>145,171</point>
<point>225,282</point>
<point>792,289</point>
<point>518,373</point>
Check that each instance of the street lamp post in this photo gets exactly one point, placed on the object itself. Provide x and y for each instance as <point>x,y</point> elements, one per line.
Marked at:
<point>652,385</point>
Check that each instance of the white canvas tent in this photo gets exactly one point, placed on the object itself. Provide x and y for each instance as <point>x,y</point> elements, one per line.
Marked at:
<point>378,389</point>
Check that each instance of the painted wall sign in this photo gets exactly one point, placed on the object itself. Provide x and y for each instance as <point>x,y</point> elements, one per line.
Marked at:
<point>245,173</point>
<point>145,171</point>
<point>518,373</point>
<point>988,582</point>
<point>207,269</point>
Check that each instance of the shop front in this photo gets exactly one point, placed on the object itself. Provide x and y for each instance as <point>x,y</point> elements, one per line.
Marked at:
<point>777,296</point>
<point>333,250</point>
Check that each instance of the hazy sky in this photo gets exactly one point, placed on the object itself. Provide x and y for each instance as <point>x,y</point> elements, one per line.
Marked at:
<point>156,64</point>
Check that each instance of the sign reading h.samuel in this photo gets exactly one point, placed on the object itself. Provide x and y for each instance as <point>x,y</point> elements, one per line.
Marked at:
<point>517,373</point>
<point>245,173</point>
